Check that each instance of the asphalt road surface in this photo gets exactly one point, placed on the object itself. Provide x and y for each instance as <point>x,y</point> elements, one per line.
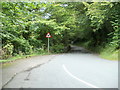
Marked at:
<point>77,69</point>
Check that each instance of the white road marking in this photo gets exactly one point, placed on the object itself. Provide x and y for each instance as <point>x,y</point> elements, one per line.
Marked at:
<point>66,70</point>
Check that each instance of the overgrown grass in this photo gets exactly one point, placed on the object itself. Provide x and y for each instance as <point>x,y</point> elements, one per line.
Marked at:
<point>107,52</point>
<point>109,55</point>
<point>54,50</point>
<point>23,56</point>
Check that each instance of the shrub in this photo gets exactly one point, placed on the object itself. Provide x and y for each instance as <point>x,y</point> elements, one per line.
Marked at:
<point>7,50</point>
<point>58,48</point>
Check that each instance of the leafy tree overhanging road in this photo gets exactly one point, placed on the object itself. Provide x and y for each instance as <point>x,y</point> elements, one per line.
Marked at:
<point>93,25</point>
<point>24,25</point>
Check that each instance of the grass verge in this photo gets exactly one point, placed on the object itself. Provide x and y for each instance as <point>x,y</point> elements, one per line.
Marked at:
<point>108,52</point>
<point>110,55</point>
<point>22,57</point>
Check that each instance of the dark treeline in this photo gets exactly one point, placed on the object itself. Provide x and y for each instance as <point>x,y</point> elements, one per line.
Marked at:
<point>94,25</point>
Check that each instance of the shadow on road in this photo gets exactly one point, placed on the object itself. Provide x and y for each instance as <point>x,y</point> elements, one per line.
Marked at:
<point>76,49</point>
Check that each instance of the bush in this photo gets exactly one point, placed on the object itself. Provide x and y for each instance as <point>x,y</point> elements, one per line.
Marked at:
<point>58,48</point>
<point>39,50</point>
<point>22,46</point>
<point>7,50</point>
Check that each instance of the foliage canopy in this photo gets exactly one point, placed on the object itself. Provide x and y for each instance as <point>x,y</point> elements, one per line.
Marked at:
<point>25,24</point>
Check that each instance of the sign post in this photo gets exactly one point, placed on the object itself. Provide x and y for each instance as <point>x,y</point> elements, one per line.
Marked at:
<point>48,36</point>
<point>48,45</point>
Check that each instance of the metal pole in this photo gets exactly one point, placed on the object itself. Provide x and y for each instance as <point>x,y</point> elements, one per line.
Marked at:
<point>48,44</point>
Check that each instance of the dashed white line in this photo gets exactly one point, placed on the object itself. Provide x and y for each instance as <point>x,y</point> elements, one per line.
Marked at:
<point>66,70</point>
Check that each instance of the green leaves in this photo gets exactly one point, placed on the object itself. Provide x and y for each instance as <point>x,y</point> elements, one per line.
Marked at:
<point>25,24</point>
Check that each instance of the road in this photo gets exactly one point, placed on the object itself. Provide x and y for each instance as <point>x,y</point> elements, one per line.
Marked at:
<point>76,69</point>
